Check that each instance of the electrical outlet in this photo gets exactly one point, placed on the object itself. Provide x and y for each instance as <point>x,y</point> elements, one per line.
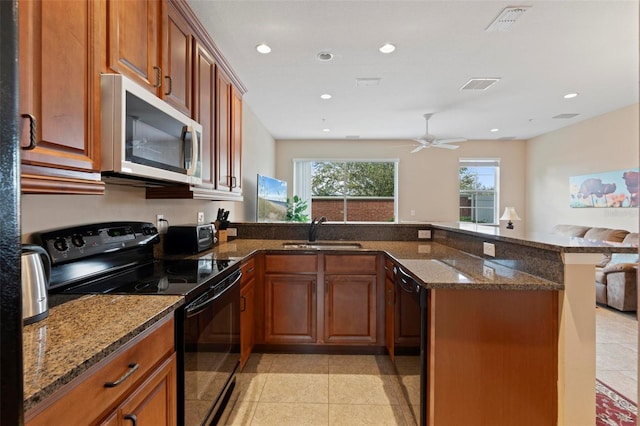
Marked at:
<point>488,272</point>
<point>200,218</point>
<point>159,221</point>
<point>424,234</point>
<point>489,249</point>
<point>232,232</point>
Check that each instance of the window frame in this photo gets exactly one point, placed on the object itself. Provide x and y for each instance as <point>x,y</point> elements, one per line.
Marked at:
<point>481,162</point>
<point>304,191</point>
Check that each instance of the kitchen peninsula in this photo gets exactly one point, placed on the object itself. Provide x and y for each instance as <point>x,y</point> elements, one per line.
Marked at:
<point>508,338</point>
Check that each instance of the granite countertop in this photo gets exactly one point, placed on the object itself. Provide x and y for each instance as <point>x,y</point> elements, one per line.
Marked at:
<point>554,242</point>
<point>434,264</point>
<point>81,332</point>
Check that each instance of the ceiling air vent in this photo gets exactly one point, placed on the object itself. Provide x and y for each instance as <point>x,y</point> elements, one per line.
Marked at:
<point>507,138</point>
<point>479,83</point>
<point>506,18</point>
<point>566,115</point>
<point>367,81</point>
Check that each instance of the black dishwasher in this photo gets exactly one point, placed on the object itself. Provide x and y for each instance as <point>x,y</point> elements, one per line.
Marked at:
<point>410,341</point>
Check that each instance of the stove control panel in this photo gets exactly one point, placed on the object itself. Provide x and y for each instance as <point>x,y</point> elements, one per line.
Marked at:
<point>74,243</point>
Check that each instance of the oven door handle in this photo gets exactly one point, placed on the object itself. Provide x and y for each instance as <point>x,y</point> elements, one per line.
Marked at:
<point>200,305</point>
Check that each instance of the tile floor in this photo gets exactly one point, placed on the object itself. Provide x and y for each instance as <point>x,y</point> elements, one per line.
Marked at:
<point>617,350</point>
<point>285,389</point>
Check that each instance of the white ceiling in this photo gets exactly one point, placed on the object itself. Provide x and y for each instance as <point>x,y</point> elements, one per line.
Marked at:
<point>556,47</point>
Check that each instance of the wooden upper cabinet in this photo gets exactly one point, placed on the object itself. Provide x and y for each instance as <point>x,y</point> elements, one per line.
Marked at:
<point>204,110</point>
<point>133,40</point>
<point>177,60</point>
<point>235,148</point>
<point>150,42</point>
<point>223,118</point>
<point>59,97</point>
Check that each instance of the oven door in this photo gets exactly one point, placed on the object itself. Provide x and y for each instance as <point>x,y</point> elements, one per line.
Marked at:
<point>211,350</point>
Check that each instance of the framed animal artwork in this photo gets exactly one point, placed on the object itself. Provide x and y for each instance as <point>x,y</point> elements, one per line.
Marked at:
<point>607,189</point>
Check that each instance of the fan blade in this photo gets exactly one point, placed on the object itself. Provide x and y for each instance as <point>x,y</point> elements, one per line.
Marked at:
<point>451,140</point>
<point>444,145</point>
<point>418,148</point>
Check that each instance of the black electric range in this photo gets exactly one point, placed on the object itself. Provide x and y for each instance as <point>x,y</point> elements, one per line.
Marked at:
<point>117,258</point>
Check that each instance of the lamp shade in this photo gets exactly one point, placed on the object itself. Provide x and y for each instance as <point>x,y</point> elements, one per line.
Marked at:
<point>510,214</point>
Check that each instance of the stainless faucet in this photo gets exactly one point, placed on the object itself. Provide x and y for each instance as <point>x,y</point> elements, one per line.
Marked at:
<point>313,229</point>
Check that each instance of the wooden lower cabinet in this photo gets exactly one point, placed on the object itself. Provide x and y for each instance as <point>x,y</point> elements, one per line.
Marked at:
<point>290,308</point>
<point>389,308</point>
<point>153,403</point>
<point>142,383</point>
<point>493,357</point>
<point>247,311</point>
<point>350,309</point>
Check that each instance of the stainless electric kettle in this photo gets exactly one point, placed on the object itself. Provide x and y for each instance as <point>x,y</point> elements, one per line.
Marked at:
<point>36,271</point>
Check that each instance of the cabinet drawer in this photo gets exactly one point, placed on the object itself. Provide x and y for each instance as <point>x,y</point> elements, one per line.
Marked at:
<point>291,263</point>
<point>350,263</point>
<point>248,270</point>
<point>87,399</point>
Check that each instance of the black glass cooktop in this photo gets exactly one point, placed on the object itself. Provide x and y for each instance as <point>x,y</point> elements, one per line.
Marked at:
<point>179,277</point>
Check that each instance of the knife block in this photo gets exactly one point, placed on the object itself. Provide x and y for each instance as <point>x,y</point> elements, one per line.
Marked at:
<point>222,236</point>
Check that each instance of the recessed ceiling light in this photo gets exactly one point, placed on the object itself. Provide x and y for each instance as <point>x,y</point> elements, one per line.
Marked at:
<point>494,130</point>
<point>325,96</point>
<point>326,130</point>
<point>263,48</point>
<point>325,56</point>
<point>387,48</point>
<point>570,95</point>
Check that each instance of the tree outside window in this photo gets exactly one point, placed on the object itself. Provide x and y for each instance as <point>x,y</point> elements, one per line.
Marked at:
<point>348,191</point>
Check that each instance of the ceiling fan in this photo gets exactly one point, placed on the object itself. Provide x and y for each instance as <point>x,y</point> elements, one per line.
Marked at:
<point>428,141</point>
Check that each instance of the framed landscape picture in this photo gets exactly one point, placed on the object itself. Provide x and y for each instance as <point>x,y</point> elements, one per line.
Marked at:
<point>607,189</point>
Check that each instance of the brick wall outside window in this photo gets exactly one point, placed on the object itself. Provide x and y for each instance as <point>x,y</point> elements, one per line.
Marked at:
<point>358,210</point>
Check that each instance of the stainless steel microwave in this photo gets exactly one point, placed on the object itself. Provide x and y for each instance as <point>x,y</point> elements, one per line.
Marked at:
<point>143,137</point>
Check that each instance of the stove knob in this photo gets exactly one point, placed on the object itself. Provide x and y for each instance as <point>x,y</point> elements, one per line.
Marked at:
<point>152,230</point>
<point>60,244</point>
<point>78,240</point>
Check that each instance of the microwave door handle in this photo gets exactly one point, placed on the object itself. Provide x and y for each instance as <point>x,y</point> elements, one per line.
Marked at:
<point>194,148</point>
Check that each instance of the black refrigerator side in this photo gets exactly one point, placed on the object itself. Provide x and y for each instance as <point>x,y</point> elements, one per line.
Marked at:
<point>11,377</point>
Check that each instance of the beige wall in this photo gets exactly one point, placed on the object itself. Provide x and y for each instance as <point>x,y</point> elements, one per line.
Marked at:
<point>605,143</point>
<point>428,180</point>
<point>41,212</point>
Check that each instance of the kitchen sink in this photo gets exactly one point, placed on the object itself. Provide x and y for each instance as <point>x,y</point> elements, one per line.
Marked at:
<point>324,245</point>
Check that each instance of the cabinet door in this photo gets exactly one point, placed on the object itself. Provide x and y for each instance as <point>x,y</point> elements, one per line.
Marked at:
<point>247,328</point>
<point>154,402</point>
<point>350,309</point>
<point>223,134</point>
<point>236,141</point>
<point>290,308</point>
<point>204,110</point>
<point>133,40</point>
<point>177,60</point>
<point>60,92</point>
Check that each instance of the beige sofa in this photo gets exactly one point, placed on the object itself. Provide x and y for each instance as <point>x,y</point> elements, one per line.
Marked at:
<point>616,275</point>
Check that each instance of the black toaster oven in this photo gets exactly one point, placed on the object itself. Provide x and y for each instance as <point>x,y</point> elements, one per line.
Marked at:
<point>189,239</point>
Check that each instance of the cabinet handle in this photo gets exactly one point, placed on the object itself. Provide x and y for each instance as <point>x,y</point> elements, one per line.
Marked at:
<point>158,71</point>
<point>131,417</point>
<point>33,140</point>
<point>170,81</point>
<point>234,182</point>
<point>132,368</point>
<point>244,303</point>
<point>250,269</point>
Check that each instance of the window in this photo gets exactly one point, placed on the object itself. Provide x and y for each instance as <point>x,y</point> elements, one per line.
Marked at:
<point>348,191</point>
<point>479,190</point>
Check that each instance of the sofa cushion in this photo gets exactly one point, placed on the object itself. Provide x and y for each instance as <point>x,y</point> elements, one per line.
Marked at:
<point>571,230</point>
<point>631,238</point>
<point>606,234</point>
